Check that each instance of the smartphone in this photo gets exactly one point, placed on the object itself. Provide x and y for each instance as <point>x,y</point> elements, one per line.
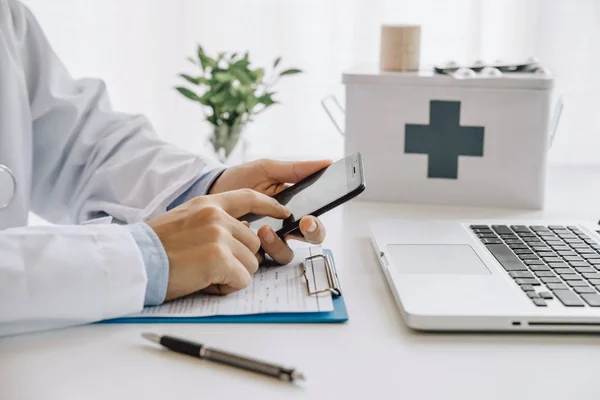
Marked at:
<point>315,195</point>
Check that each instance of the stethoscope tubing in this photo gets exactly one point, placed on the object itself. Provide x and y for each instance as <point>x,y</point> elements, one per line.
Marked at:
<point>5,169</point>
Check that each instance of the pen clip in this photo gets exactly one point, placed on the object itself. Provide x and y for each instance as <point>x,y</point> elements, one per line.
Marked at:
<point>332,281</point>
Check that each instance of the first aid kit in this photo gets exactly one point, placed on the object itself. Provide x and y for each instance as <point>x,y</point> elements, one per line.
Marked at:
<point>472,135</point>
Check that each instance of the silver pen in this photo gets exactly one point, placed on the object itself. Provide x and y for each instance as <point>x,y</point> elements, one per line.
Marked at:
<point>201,351</point>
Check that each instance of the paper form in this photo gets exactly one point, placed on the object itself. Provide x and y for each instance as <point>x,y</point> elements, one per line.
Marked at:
<point>276,289</point>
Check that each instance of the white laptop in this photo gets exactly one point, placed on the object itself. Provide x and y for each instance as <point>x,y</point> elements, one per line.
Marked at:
<point>505,276</point>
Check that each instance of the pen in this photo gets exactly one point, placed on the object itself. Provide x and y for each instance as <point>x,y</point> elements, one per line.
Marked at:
<point>201,351</point>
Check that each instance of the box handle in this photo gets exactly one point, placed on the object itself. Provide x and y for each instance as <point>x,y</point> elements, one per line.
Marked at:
<point>331,112</point>
<point>556,114</point>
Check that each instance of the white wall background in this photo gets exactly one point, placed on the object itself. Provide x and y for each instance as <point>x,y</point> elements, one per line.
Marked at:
<point>139,46</point>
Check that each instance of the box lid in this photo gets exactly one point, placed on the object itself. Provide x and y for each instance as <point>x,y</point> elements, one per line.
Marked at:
<point>371,75</point>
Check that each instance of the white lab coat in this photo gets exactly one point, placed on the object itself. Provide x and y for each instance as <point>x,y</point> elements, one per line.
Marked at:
<point>74,160</point>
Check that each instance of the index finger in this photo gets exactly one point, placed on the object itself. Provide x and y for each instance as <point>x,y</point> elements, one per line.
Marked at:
<point>293,171</point>
<point>243,201</point>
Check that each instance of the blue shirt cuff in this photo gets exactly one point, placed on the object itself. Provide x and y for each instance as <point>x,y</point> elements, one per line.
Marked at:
<point>199,188</point>
<point>155,260</point>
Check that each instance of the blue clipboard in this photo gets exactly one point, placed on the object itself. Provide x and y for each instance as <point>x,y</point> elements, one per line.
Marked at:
<point>338,315</point>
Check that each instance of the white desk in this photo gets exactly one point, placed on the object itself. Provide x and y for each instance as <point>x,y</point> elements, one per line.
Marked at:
<point>372,356</point>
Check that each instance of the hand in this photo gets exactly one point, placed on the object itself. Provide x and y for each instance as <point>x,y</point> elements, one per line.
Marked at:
<point>207,247</point>
<point>271,177</point>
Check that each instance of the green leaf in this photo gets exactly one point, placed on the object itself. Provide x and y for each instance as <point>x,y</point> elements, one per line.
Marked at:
<point>189,79</point>
<point>290,72</point>
<point>219,97</point>
<point>190,59</point>
<point>209,62</point>
<point>200,53</point>
<point>188,93</point>
<point>223,77</point>
<point>266,99</point>
<point>195,81</point>
<point>240,64</point>
<point>257,75</point>
<point>205,61</point>
<point>206,98</point>
<point>251,101</point>
<point>241,107</point>
<point>277,61</point>
<point>231,104</point>
<point>246,90</point>
<point>241,76</point>
<point>218,87</point>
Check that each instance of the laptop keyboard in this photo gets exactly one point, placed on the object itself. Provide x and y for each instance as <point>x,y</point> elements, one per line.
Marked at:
<point>548,262</point>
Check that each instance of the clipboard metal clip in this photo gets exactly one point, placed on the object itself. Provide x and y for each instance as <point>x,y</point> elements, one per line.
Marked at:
<point>332,282</point>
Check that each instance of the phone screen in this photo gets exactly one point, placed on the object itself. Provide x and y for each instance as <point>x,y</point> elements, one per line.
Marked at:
<point>313,193</point>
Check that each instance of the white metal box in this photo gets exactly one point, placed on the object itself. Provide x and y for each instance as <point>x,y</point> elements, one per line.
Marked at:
<point>437,139</point>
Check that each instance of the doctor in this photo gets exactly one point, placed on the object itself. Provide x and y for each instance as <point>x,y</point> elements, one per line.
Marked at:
<point>137,221</point>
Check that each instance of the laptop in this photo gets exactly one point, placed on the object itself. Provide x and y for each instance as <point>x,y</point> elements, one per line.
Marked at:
<point>505,276</point>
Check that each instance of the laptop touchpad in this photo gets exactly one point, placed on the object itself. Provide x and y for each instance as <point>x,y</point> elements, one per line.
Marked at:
<point>436,259</point>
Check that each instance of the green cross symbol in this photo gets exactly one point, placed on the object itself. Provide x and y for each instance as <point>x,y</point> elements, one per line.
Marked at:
<point>443,140</point>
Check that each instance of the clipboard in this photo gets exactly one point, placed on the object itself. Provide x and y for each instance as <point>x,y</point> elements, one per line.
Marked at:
<point>338,315</point>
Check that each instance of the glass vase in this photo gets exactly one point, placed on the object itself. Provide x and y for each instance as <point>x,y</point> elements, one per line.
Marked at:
<point>224,140</point>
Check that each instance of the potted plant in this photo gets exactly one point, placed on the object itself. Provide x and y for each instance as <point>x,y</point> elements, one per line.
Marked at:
<point>231,92</point>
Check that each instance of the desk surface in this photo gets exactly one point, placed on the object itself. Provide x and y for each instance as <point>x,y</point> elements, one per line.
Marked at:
<point>374,355</point>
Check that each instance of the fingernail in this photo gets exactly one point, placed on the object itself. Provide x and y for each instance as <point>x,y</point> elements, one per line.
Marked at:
<point>312,227</point>
<point>269,236</point>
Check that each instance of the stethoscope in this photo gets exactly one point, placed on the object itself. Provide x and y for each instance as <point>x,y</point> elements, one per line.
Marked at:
<point>8,186</point>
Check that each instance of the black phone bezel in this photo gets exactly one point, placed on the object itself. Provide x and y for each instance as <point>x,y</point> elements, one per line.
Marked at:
<point>352,161</point>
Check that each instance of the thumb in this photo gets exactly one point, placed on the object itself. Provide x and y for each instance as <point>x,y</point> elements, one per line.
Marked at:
<point>292,171</point>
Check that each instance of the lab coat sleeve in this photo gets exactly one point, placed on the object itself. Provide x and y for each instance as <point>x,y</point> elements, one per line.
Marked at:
<point>201,187</point>
<point>90,161</point>
<point>58,276</point>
